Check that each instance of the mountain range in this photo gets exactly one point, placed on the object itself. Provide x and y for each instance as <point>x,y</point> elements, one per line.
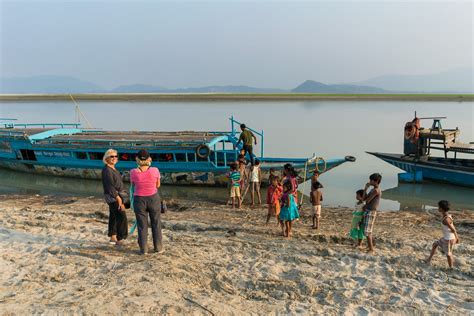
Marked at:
<point>452,81</point>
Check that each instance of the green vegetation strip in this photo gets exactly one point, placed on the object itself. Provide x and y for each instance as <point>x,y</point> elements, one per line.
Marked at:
<point>234,97</point>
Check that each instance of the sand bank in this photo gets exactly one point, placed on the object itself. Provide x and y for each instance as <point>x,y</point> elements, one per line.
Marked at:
<point>55,259</point>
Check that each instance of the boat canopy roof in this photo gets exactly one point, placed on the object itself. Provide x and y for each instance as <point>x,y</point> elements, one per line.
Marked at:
<point>66,135</point>
<point>93,138</point>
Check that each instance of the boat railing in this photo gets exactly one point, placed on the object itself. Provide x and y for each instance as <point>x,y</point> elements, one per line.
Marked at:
<point>234,122</point>
<point>118,142</point>
<point>41,125</point>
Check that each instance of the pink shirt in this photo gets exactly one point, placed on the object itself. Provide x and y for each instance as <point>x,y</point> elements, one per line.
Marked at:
<point>145,182</point>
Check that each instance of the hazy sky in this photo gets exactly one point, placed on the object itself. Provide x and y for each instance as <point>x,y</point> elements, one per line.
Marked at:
<point>264,44</point>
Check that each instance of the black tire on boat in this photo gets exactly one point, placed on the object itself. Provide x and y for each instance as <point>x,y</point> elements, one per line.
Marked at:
<point>350,158</point>
<point>203,151</point>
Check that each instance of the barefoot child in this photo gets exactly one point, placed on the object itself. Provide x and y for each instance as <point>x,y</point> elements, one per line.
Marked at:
<point>289,209</point>
<point>235,185</point>
<point>357,228</point>
<point>372,201</point>
<point>450,236</point>
<point>255,180</point>
<point>241,167</point>
<point>274,193</point>
<point>315,197</point>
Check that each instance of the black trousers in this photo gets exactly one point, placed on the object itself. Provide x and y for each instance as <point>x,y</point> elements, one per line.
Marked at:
<point>249,149</point>
<point>144,207</point>
<point>118,224</point>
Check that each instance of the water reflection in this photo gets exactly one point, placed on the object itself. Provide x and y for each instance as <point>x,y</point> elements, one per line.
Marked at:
<point>426,196</point>
<point>13,182</point>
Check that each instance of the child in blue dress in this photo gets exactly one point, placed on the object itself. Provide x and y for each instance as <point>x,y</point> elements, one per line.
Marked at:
<point>289,209</point>
<point>357,226</point>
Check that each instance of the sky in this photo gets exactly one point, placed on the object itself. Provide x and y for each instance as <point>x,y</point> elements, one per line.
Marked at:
<point>276,44</point>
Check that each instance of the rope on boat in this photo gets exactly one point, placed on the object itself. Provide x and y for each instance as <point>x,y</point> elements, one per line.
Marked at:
<point>79,112</point>
<point>134,226</point>
<point>318,159</point>
<point>310,160</point>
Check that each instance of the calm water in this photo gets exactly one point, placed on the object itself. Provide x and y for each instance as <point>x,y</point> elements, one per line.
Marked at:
<point>293,129</point>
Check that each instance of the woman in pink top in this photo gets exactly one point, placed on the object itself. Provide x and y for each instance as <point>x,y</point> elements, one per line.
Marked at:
<point>146,201</point>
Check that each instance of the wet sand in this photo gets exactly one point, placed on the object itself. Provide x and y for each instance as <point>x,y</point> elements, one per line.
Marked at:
<point>55,259</point>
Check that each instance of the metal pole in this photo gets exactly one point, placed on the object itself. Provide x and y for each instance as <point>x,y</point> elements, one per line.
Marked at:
<point>261,146</point>
<point>232,125</point>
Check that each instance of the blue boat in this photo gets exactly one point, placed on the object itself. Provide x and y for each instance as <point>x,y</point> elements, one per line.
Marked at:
<point>186,157</point>
<point>418,162</point>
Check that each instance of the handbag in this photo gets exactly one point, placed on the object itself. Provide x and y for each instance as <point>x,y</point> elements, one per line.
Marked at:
<point>125,198</point>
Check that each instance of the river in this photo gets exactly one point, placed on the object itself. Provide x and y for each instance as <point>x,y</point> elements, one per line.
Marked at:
<point>292,129</point>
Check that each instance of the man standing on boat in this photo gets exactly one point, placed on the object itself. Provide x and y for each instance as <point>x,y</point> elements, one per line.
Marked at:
<point>246,137</point>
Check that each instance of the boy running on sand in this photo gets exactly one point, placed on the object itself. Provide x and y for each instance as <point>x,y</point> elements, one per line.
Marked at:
<point>372,201</point>
<point>274,193</point>
<point>357,227</point>
<point>450,235</point>
<point>235,185</point>
<point>315,197</point>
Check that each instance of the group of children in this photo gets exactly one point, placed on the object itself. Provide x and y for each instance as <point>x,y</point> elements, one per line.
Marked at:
<point>282,201</point>
<point>242,179</point>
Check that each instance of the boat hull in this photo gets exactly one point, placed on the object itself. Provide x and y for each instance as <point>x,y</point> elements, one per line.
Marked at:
<point>174,177</point>
<point>455,171</point>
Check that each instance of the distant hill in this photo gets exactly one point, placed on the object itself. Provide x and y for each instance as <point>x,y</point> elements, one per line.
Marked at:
<point>457,80</point>
<point>47,84</point>
<point>139,88</point>
<point>453,81</point>
<point>310,86</point>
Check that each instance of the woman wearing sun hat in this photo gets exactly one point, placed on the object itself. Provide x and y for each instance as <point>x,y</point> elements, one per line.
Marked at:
<point>113,185</point>
<point>146,201</point>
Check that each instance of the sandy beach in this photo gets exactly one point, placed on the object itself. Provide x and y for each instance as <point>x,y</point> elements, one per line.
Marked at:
<point>55,259</point>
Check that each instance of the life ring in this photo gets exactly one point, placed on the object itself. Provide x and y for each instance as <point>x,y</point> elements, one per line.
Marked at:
<point>203,151</point>
<point>410,131</point>
<point>317,165</point>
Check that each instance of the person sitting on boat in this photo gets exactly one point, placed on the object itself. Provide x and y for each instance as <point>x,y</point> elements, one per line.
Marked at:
<point>246,137</point>
<point>113,187</point>
<point>146,203</point>
<point>450,235</point>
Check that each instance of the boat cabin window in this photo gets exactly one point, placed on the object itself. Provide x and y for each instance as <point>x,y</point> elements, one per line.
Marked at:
<point>5,146</point>
<point>96,156</point>
<point>127,157</point>
<point>27,154</point>
<point>191,157</point>
<point>220,161</point>
<point>81,155</point>
<point>231,157</point>
<point>162,157</point>
<point>180,157</point>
